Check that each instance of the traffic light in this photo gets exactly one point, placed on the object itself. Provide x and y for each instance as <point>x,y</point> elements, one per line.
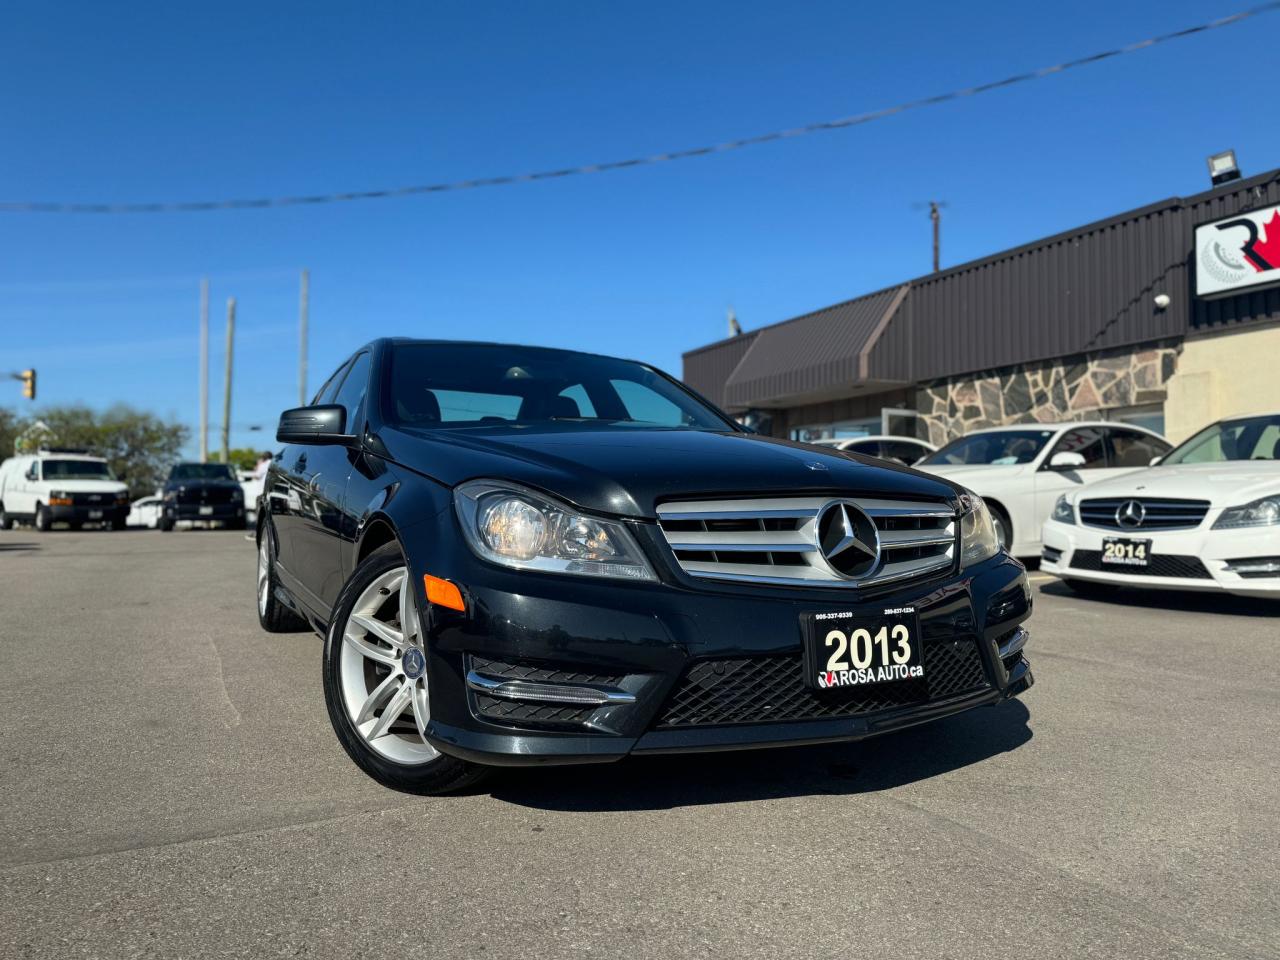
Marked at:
<point>28,378</point>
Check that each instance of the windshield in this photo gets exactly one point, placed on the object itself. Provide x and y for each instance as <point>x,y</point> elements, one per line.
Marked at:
<point>995,448</point>
<point>76,470</point>
<point>201,471</point>
<point>456,385</point>
<point>1254,438</point>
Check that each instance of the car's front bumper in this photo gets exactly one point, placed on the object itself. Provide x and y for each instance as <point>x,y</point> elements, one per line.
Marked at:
<point>217,512</point>
<point>643,642</point>
<point>1200,559</point>
<point>88,513</point>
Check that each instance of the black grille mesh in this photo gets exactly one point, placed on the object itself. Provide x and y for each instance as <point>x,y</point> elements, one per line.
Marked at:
<point>513,711</point>
<point>1160,565</point>
<point>772,689</point>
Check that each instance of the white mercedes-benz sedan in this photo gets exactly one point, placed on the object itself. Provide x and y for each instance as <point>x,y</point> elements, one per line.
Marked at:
<point>1020,471</point>
<point>1206,518</point>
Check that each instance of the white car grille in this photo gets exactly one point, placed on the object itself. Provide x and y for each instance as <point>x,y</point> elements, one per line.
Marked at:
<point>775,540</point>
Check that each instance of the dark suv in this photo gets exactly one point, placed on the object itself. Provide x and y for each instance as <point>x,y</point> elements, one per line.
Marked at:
<point>207,492</point>
<point>519,555</point>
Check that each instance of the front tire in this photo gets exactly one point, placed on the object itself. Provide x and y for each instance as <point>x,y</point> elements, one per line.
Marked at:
<point>6,521</point>
<point>273,616</point>
<point>165,524</point>
<point>375,681</point>
<point>44,522</point>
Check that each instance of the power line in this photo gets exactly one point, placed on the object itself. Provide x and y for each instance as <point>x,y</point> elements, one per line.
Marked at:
<point>818,127</point>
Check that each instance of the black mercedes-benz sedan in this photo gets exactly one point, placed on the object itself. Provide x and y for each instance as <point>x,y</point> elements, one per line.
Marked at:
<point>519,555</point>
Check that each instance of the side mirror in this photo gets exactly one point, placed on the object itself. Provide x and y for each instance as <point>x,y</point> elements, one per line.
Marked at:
<point>1066,461</point>
<point>315,425</point>
<point>1154,461</point>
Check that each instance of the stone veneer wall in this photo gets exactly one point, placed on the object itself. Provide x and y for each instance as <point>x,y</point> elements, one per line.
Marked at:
<point>1073,388</point>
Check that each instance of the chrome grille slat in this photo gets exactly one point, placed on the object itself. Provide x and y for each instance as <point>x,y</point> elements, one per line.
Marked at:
<point>1161,513</point>
<point>773,539</point>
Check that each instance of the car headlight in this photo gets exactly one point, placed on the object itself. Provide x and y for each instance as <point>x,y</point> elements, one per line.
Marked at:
<point>237,496</point>
<point>1260,513</point>
<point>1063,511</point>
<point>978,540</point>
<point>516,527</point>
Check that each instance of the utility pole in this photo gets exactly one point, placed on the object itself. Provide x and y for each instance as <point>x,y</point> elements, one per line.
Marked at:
<point>936,216</point>
<point>204,370</point>
<point>226,395</point>
<point>304,308</point>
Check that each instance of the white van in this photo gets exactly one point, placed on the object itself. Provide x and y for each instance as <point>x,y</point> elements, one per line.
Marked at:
<point>61,487</point>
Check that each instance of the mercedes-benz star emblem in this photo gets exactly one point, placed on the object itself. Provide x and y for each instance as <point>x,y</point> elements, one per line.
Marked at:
<point>847,539</point>
<point>413,663</point>
<point>1131,513</point>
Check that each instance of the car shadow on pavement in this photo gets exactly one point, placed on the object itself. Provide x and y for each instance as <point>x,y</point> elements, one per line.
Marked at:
<point>868,766</point>
<point>20,545</point>
<point>1188,600</point>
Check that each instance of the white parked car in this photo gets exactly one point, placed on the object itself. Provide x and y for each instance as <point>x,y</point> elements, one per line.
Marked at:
<point>1206,518</point>
<point>1020,471</point>
<point>905,450</point>
<point>145,512</point>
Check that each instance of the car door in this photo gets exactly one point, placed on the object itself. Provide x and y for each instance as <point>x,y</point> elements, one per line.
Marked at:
<point>1090,443</point>
<point>286,486</point>
<point>322,527</point>
<point>25,484</point>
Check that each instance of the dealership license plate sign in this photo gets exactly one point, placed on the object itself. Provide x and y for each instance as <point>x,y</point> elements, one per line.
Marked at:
<point>1125,552</point>
<point>856,649</point>
<point>1238,252</point>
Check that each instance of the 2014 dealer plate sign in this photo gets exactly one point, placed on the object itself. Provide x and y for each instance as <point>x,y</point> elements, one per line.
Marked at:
<point>858,648</point>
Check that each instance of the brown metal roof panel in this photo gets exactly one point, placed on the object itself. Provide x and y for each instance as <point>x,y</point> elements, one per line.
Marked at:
<point>707,369</point>
<point>810,354</point>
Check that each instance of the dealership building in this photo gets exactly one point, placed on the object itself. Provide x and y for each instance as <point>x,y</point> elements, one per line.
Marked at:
<point>1167,316</point>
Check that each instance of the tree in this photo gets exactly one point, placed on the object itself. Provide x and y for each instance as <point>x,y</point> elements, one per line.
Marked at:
<point>139,446</point>
<point>242,458</point>
<point>10,426</point>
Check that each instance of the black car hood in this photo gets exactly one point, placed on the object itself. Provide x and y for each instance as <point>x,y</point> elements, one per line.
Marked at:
<point>628,472</point>
<point>196,483</point>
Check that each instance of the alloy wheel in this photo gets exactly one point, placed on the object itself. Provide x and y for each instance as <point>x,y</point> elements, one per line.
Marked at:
<point>382,671</point>
<point>264,573</point>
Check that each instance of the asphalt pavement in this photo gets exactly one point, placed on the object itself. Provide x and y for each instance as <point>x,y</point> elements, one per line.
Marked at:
<point>170,787</point>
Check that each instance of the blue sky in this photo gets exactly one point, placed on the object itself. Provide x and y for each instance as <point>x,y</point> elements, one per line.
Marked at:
<point>163,101</point>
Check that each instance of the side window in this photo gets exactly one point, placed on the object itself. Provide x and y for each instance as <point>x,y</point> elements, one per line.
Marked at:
<point>1086,441</point>
<point>647,406</point>
<point>351,393</point>
<point>868,448</point>
<point>578,394</point>
<point>1131,448</point>
<point>903,451</point>
<point>325,393</point>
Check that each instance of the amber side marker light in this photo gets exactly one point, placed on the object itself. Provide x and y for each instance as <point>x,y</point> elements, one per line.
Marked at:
<point>443,593</point>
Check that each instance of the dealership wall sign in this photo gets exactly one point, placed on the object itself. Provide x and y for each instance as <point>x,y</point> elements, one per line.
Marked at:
<point>1237,253</point>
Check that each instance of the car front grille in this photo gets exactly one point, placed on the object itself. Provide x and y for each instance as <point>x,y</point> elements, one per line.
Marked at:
<point>775,541</point>
<point>1156,513</point>
<point>206,495</point>
<point>93,499</point>
<point>1160,565</point>
<point>772,689</point>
